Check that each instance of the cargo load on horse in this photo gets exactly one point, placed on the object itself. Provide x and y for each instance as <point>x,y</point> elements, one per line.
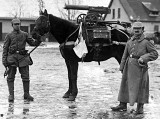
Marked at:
<point>96,31</point>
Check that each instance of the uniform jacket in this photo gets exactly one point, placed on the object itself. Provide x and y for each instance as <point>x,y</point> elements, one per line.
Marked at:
<point>135,79</point>
<point>16,41</point>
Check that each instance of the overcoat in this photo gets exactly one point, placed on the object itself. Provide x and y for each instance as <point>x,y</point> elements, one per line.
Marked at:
<point>13,42</point>
<point>135,79</point>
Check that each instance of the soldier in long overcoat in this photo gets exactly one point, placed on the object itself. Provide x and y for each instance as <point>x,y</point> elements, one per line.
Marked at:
<point>15,56</point>
<point>135,79</point>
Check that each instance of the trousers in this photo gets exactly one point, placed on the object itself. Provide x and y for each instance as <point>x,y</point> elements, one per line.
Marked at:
<point>24,71</point>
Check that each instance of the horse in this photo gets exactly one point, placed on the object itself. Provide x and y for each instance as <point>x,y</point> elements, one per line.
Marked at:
<point>66,32</point>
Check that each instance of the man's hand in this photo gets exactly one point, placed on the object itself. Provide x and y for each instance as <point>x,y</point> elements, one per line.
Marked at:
<point>121,71</point>
<point>6,72</point>
<point>140,60</point>
<point>115,42</point>
<point>5,64</point>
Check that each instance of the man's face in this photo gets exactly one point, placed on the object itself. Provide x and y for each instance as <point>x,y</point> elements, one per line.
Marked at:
<point>16,26</point>
<point>137,30</point>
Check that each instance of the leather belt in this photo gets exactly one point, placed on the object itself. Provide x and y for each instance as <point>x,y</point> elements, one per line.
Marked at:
<point>21,52</point>
<point>134,56</point>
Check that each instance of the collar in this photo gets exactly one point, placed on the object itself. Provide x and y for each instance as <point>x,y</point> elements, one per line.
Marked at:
<point>15,32</point>
<point>139,38</point>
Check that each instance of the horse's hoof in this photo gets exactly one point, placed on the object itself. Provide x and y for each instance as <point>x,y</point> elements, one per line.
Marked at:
<point>71,98</point>
<point>66,95</point>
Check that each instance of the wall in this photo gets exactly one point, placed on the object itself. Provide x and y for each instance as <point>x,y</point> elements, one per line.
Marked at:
<point>115,5</point>
<point>149,26</point>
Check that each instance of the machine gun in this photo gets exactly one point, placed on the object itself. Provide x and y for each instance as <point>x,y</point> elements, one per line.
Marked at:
<point>93,15</point>
<point>99,9</point>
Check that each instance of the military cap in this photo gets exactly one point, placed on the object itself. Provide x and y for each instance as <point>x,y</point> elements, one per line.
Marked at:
<point>15,20</point>
<point>137,25</point>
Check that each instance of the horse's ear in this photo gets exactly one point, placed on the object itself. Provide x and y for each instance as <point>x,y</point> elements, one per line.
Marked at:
<point>45,12</point>
<point>40,12</point>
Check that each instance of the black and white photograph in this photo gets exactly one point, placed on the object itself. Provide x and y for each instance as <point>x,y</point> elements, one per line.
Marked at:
<point>79,59</point>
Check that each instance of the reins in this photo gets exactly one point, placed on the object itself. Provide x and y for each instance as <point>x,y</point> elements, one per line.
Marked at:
<point>48,24</point>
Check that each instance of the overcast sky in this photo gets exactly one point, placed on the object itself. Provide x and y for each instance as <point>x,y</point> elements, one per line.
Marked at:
<point>31,7</point>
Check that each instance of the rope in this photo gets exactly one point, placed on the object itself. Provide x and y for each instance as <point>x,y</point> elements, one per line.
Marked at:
<point>71,35</point>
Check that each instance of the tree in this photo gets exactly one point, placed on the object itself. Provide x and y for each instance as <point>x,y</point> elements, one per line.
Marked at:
<point>16,8</point>
<point>22,8</point>
<point>41,5</point>
<point>68,14</point>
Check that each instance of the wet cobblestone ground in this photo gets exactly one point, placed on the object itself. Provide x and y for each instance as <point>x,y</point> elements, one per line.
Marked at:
<point>98,90</point>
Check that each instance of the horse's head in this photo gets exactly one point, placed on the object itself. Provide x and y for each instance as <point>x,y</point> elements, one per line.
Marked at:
<point>42,25</point>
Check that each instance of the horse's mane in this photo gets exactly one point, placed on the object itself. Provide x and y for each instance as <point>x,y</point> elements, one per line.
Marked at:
<point>58,20</point>
<point>61,26</point>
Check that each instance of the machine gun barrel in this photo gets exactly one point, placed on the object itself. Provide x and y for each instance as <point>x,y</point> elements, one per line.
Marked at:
<point>99,9</point>
<point>77,7</point>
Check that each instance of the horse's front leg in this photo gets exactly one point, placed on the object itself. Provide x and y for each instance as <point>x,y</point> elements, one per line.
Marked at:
<point>72,92</point>
<point>74,72</point>
<point>69,91</point>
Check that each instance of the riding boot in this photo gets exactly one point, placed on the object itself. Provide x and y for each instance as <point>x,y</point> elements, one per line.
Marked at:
<point>139,108</point>
<point>11,90</point>
<point>27,96</point>
<point>121,107</point>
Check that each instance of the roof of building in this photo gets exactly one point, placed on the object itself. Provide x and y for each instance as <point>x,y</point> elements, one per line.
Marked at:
<point>144,10</point>
<point>22,19</point>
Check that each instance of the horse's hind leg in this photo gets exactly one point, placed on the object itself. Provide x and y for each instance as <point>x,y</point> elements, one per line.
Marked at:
<point>72,92</point>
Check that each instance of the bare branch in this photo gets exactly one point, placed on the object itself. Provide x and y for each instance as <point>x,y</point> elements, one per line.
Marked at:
<point>68,14</point>
<point>41,5</point>
<point>17,8</point>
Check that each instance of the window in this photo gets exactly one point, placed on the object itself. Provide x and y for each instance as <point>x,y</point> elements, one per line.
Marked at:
<point>154,13</point>
<point>119,13</point>
<point>156,28</point>
<point>113,13</point>
<point>32,27</point>
<point>24,28</point>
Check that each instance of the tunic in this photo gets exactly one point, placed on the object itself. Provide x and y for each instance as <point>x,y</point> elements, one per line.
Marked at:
<point>16,41</point>
<point>135,79</point>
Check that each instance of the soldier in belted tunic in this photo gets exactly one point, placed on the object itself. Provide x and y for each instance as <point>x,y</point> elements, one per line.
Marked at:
<point>135,79</point>
<point>13,51</point>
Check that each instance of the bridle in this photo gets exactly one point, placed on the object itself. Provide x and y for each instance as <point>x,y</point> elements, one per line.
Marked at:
<point>42,31</point>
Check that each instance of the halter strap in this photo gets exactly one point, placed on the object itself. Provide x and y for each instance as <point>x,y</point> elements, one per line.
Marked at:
<point>48,23</point>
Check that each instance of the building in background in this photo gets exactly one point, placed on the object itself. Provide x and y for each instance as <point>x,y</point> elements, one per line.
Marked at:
<point>146,11</point>
<point>27,25</point>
